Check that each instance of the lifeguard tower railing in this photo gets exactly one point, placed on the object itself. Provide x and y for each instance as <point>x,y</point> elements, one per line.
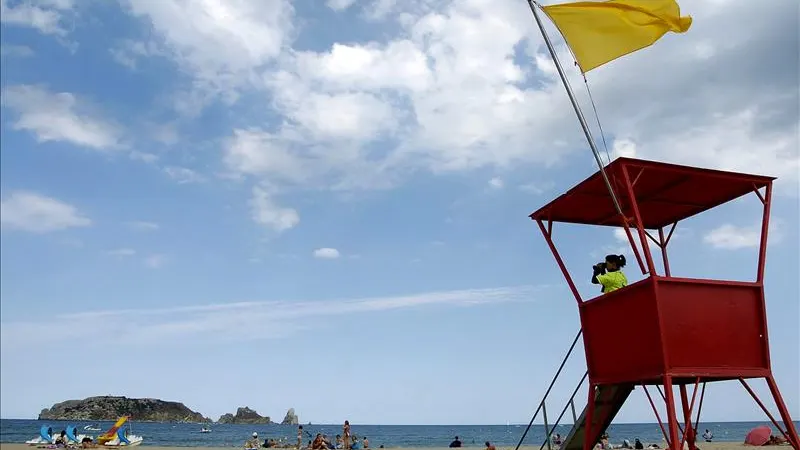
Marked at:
<point>689,331</point>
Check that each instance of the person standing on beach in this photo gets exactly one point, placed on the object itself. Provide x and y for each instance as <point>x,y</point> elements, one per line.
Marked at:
<point>300,437</point>
<point>346,434</point>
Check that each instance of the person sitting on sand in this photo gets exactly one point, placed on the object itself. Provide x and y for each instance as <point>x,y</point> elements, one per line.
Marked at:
<point>62,440</point>
<point>708,435</point>
<point>489,446</point>
<point>637,444</point>
<point>365,442</point>
<point>87,442</point>
<point>776,440</point>
<point>253,442</point>
<point>318,443</point>
<point>456,443</point>
<point>339,443</point>
<point>355,445</point>
<point>557,439</point>
<point>328,444</point>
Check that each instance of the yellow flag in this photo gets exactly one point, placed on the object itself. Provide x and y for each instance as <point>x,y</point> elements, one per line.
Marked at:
<point>600,32</point>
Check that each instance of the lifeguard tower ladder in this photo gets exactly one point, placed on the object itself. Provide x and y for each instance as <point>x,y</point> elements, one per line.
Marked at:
<point>664,331</point>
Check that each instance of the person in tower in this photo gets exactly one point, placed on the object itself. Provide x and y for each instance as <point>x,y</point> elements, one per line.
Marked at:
<point>609,274</point>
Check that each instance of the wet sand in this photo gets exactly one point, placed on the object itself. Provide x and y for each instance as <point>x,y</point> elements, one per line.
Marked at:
<point>702,446</point>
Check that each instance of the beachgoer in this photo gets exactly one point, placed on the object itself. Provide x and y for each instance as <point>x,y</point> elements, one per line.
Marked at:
<point>637,444</point>
<point>365,442</point>
<point>557,439</point>
<point>456,443</point>
<point>253,442</point>
<point>339,443</point>
<point>318,443</point>
<point>609,274</point>
<point>626,444</point>
<point>776,440</point>
<point>300,436</point>
<point>489,446</point>
<point>708,435</point>
<point>62,440</point>
<point>355,444</point>
<point>87,442</point>
<point>328,444</point>
<point>346,434</point>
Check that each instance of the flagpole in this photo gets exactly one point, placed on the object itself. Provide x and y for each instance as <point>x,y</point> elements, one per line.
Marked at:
<point>577,108</point>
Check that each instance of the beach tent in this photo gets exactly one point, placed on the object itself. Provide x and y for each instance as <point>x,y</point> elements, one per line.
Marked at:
<point>758,436</point>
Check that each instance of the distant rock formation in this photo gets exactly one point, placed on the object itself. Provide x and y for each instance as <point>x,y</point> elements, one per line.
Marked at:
<point>111,408</point>
<point>244,415</point>
<point>290,418</point>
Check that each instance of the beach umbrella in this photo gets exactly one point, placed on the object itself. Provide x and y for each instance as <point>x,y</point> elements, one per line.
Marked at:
<point>758,436</point>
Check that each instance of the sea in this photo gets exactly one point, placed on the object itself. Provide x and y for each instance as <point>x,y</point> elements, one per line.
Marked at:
<point>229,435</point>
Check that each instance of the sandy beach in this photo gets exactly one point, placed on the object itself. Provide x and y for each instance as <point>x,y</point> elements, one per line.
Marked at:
<point>703,446</point>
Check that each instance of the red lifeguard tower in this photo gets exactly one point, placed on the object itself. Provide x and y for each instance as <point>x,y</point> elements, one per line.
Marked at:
<point>689,331</point>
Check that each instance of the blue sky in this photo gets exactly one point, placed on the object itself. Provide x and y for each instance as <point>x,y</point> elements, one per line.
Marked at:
<point>322,205</point>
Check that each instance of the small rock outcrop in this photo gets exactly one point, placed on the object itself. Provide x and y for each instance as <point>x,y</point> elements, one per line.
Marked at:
<point>290,418</point>
<point>111,408</point>
<point>244,415</point>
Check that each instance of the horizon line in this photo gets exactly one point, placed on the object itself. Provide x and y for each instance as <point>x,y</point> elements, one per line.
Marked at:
<point>375,424</point>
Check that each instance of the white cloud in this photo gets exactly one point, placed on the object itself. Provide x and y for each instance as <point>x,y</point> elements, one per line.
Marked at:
<point>224,320</point>
<point>122,252</point>
<point>623,148</point>
<point>183,175</point>
<point>28,211</point>
<point>143,156</point>
<point>326,253</point>
<point>144,226</point>
<point>339,5</point>
<point>496,183</point>
<point>221,44</point>
<point>468,85</point>
<point>128,52</point>
<point>266,212</point>
<point>732,237</point>
<point>537,188</point>
<point>155,261</point>
<point>59,117</point>
<point>46,16</point>
<point>20,51</point>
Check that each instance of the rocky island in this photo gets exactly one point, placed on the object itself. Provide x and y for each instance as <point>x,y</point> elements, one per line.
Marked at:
<point>290,418</point>
<point>110,408</point>
<point>244,415</point>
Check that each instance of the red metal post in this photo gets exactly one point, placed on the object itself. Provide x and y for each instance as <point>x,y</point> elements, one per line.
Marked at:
<point>763,407</point>
<point>671,418</point>
<point>658,417</point>
<point>700,406</point>
<point>688,430</point>
<point>587,436</point>
<point>762,251</point>
<point>787,420</point>
<point>639,226</point>
<point>663,244</point>
<point>634,248</point>
<point>560,262</point>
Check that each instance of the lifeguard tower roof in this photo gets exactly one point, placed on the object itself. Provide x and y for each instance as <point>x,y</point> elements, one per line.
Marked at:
<point>665,194</point>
